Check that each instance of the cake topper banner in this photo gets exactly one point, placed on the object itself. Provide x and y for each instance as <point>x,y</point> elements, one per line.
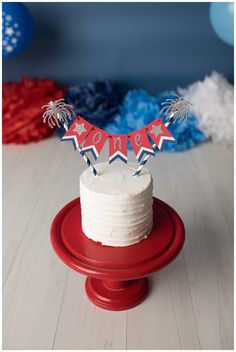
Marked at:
<point>92,139</point>
<point>88,138</point>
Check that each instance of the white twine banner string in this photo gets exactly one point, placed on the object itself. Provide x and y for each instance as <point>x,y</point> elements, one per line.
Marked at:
<point>59,112</point>
<point>175,110</point>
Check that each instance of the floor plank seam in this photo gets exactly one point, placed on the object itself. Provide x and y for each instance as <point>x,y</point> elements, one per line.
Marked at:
<point>126,330</point>
<point>23,236</point>
<point>59,313</point>
<point>175,319</point>
<point>18,247</point>
<point>214,191</point>
<point>191,300</point>
<point>15,166</point>
<point>25,230</point>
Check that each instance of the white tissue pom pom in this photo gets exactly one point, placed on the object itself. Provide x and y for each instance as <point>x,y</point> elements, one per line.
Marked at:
<point>213,105</point>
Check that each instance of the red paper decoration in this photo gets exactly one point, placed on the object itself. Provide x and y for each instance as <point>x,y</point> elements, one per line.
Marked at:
<point>159,133</point>
<point>141,144</point>
<point>22,113</point>
<point>118,147</point>
<point>95,142</point>
<point>78,131</point>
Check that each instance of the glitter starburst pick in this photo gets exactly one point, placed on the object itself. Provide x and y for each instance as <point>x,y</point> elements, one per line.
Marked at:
<point>176,109</point>
<point>57,112</point>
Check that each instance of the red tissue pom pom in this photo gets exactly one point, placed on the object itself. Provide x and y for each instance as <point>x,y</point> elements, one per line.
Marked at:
<point>22,113</point>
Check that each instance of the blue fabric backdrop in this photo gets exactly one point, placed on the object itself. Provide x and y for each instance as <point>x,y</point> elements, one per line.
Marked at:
<point>153,46</point>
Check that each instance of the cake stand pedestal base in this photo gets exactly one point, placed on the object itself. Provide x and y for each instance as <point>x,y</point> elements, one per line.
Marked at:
<point>117,276</point>
<point>116,295</point>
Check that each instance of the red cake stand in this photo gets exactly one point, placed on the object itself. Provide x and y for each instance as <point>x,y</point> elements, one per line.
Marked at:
<point>117,276</point>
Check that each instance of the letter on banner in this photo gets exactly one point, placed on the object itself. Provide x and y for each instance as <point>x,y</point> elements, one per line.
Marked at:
<point>77,132</point>
<point>140,144</point>
<point>118,148</point>
<point>95,142</point>
<point>159,133</point>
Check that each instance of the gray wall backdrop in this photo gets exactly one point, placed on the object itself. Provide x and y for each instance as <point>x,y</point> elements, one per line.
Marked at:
<point>154,46</point>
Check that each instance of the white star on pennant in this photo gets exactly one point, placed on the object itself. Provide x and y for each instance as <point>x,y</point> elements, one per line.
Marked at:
<point>8,18</point>
<point>9,31</point>
<point>9,48</point>
<point>156,130</point>
<point>79,128</point>
<point>14,40</point>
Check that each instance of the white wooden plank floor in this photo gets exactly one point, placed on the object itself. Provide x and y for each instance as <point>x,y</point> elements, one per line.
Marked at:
<point>190,305</point>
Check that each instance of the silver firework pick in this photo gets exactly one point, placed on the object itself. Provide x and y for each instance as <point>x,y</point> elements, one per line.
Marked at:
<point>176,109</point>
<point>57,111</point>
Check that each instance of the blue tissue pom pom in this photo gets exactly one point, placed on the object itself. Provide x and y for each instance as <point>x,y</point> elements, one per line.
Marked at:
<point>98,102</point>
<point>186,135</point>
<point>137,110</point>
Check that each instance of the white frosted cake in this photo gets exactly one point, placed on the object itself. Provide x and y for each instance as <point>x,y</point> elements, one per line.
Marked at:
<point>116,207</point>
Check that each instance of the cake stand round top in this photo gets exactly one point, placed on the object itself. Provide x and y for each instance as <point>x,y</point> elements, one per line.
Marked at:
<point>117,263</point>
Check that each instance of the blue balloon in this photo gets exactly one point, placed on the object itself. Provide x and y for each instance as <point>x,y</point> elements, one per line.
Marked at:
<point>222,20</point>
<point>17,28</point>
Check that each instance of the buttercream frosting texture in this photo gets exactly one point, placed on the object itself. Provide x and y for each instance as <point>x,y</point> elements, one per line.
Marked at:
<point>116,207</point>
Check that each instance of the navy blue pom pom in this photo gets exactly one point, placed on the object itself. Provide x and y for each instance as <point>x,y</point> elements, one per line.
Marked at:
<point>97,102</point>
